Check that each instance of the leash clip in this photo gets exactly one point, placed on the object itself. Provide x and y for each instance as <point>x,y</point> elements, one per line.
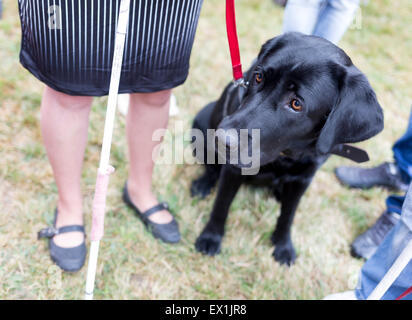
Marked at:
<point>241,83</point>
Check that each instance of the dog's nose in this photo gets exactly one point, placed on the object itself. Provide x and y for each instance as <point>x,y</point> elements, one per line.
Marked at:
<point>228,138</point>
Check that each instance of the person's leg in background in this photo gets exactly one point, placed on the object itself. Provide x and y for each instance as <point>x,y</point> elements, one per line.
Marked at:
<point>301,15</point>
<point>147,113</point>
<point>335,18</point>
<point>378,265</point>
<point>64,127</point>
<point>322,18</point>
<point>402,153</point>
<point>392,175</point>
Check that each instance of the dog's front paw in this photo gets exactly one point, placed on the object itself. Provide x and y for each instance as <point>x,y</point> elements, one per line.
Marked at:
<point>201,187</point>
<point>285,254</point>
<point>209,243</point>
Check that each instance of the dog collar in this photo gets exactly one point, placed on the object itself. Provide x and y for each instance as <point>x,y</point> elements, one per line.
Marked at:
<point>350,152</point>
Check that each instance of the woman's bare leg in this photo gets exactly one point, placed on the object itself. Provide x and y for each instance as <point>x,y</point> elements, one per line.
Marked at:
<point>147,113</point>
<point>64,126</point>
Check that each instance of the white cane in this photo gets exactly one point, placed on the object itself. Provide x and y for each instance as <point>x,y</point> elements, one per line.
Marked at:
<point>104,171</point>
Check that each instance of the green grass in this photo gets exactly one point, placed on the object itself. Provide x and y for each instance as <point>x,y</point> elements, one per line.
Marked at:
<point>132,265</point>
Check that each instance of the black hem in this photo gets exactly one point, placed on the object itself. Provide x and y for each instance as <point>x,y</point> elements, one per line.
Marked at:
<point>98,92</point>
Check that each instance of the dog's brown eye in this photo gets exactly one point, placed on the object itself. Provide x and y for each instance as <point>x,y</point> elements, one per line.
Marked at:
<point>296,105</point>
<point>258,78</point>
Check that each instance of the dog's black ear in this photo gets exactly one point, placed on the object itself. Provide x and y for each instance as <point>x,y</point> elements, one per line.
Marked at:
<point>356,115</point>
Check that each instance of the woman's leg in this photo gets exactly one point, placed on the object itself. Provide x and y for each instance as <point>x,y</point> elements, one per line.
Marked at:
<point>147,113</point>
<point>64,126</point>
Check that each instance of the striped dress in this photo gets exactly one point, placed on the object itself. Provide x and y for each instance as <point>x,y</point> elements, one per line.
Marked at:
<point>69,44</point>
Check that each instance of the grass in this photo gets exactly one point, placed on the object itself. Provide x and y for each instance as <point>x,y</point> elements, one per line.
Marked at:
<point>132,264</point>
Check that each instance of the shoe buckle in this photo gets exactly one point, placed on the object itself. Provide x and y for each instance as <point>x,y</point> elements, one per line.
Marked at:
<point>49,232</point>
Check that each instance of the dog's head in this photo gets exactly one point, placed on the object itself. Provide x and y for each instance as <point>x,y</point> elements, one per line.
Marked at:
<point>305,96</point>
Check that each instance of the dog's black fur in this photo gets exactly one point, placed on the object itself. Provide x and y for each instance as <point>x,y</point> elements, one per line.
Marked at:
<point>338,106</point>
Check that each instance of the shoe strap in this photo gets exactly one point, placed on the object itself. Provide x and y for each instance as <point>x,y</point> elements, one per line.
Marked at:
<point>159,207</point>
<point>50,232</point>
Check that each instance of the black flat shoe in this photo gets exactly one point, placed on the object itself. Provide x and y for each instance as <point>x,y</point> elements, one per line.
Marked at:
<point>386,175</point>
<point>68,259</point>
<point>168,232</point>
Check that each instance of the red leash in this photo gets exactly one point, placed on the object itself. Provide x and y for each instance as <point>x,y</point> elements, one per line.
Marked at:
<point>233,42</point>
<point>403,295</point>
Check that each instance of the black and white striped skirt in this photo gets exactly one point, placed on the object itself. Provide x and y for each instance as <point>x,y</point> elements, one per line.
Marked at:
<point>69,44</point>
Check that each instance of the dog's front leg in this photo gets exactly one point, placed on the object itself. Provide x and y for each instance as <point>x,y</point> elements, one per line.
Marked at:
<point>211,237</point>
<point>292,192</point>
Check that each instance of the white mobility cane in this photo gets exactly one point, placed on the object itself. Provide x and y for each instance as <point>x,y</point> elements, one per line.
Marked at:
<point>102,181</point>
<point>393,273</point>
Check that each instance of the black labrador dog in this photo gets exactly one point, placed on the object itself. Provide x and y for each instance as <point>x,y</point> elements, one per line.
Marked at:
<point>307,99</point>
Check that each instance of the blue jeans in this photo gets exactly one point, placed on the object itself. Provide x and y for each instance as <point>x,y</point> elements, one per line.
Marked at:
<point>328,19</point>
<point>376,267</point>
<point>402,153</point>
